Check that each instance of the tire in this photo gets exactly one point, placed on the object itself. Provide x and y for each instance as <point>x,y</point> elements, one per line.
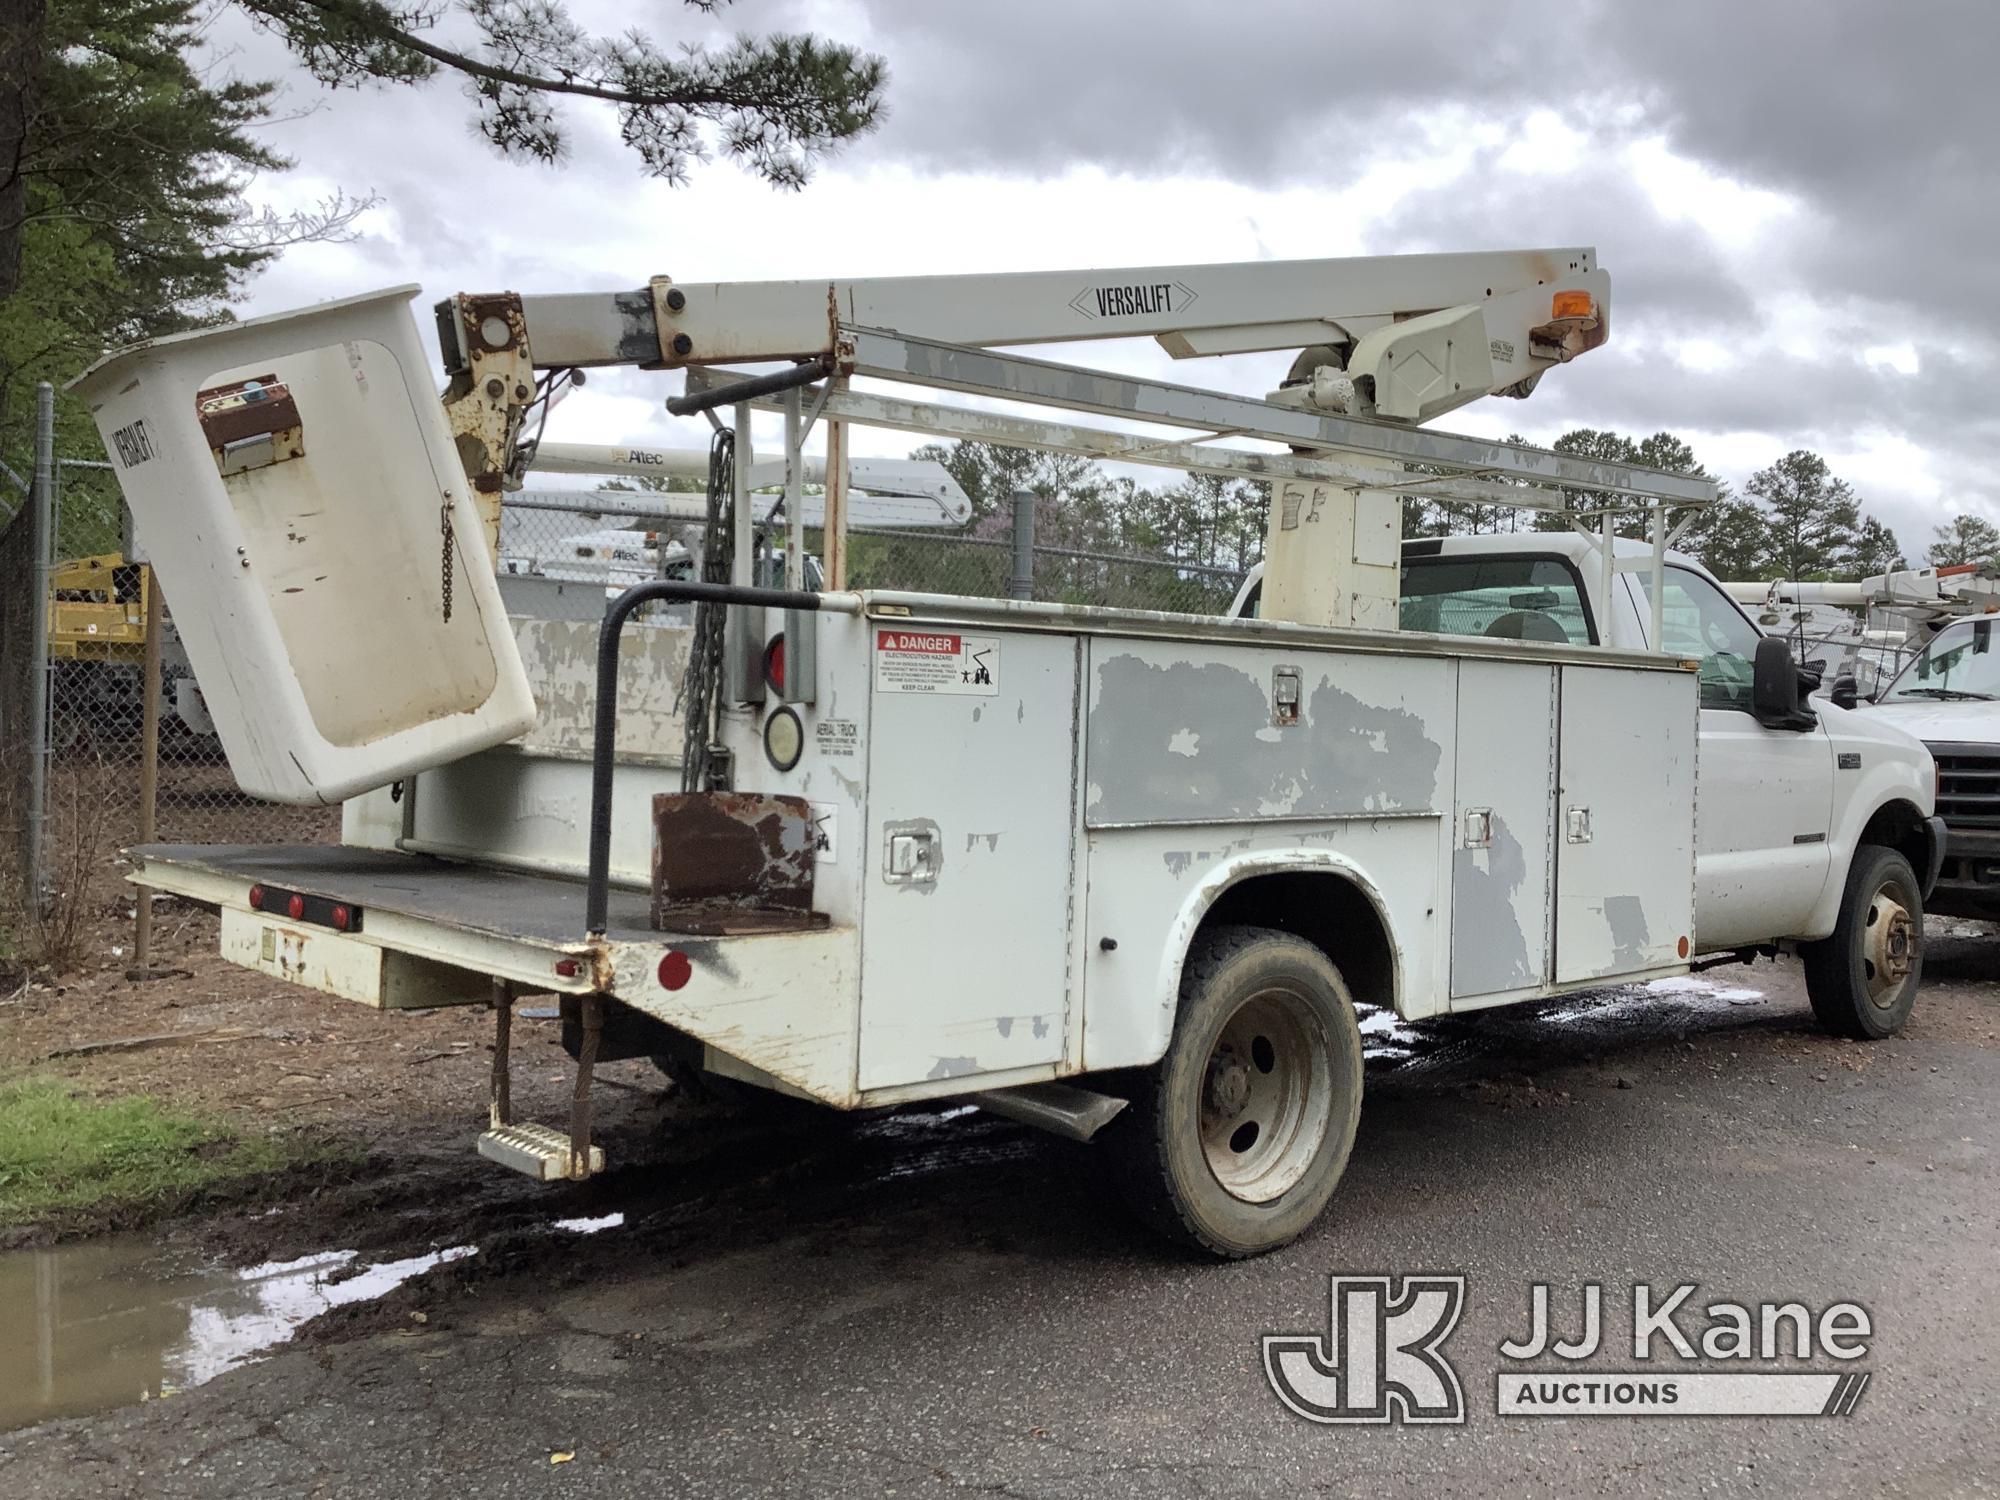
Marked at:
<point>1863,979</point>
<point>707,1090</point>
<point>1236,1139</point>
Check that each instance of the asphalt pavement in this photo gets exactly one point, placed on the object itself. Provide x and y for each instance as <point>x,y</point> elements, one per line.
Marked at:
<point>946,1304</point>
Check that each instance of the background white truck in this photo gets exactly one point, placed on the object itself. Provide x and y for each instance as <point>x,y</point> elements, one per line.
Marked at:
<point>874,847</point>
<point>1913,648</point>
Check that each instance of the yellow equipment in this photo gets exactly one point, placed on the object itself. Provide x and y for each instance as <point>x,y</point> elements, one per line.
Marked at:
<point>97,609</point>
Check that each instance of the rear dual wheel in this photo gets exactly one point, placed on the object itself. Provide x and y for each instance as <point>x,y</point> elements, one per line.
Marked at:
<point>1236,1139</point>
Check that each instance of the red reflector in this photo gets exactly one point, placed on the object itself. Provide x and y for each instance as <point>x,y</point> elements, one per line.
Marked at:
<point>568,968</point>
<point>342,919</point>
<point>295,908</point>
<point>774,664</point>
<point>256,898</point>
<point>676,969</point>
<point>1683,948</point>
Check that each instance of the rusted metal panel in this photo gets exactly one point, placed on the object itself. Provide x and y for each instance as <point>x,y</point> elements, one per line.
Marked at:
<point>250,423</point>
<point>732,862</point>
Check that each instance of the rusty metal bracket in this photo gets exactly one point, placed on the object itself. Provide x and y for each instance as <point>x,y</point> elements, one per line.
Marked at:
<point>500,1107</point>
<point>489,394</point>
<point>250,424</point>
<point>586,1066</point>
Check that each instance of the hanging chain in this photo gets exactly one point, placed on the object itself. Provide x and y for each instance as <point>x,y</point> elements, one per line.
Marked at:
<point>444,568</point>
<point>701,688</point>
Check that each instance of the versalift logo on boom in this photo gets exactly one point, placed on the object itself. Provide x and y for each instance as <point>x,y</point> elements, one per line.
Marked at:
<point>1383,1356</point>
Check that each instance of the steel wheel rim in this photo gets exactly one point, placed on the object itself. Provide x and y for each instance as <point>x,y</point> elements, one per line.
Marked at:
<point>1889,943</point>
<point>1267,1095</point>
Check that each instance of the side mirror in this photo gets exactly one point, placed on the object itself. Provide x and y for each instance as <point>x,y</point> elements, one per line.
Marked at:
<point>1845,692</point>
<point>1774,688</point>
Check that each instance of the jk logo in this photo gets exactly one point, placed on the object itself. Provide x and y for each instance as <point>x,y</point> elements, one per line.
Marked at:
<point>1382,1361</point>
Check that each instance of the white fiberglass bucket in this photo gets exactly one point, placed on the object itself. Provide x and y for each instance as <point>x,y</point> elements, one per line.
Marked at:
<point>292,476</point>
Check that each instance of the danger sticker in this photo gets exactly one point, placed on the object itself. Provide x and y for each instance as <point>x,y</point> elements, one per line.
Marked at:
<point>932,661</point>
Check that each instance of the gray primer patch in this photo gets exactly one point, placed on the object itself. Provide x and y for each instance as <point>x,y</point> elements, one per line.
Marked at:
<point>1006,1025</point>
<point>1489,951</point>
<point>954,1067</point>
<point>1345,757</point>
<point>991,840</point>
<point>1041,1027</point>
<point>1630,936</point>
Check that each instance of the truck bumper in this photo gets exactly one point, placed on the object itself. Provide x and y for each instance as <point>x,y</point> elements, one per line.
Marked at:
<point>1940,841</point>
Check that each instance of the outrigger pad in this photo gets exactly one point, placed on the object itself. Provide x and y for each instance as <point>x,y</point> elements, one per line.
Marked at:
<point>732,862</point>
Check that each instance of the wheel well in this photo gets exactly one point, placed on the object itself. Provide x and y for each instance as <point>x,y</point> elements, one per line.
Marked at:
<point>1328,911</point>
<point>1899,826</point>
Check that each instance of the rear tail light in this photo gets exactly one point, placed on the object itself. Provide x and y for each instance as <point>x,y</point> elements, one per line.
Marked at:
<point>319,911</point>
<point>774,664</point>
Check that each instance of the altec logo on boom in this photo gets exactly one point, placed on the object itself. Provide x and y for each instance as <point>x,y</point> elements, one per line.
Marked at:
<point>1383,1358</point>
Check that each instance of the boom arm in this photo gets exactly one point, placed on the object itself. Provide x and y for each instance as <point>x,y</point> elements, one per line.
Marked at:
<point>1405,337</point>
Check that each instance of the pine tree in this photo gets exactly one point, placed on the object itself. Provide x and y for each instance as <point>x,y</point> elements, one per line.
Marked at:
<point>1965,538</point>
<point>775,104</point>
<point>1814,517</point>
<point>1876,550</point>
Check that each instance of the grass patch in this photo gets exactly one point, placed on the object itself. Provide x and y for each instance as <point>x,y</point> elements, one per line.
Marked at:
<point>62,1154</point>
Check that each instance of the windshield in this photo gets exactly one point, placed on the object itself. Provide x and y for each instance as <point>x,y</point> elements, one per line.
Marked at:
<point>1959,664</point>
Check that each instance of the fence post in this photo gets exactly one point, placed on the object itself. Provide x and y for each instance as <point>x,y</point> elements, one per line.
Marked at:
<point>1022,584</point>
<point>41,540</point>
<point>149,772</point>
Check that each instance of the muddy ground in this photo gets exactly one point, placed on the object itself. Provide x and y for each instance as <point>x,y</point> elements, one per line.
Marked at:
<point>940,1302</point>
<point>403,1095</point>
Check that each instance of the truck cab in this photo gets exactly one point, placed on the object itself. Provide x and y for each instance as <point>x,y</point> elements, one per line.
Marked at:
<point>1783,801</point>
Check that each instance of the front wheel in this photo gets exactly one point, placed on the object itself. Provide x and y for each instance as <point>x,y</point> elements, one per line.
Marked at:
<point>1236,1139</point>
<point>1862,980</point>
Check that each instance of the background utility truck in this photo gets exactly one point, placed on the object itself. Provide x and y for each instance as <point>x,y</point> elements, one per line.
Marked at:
<point>1122,874</point>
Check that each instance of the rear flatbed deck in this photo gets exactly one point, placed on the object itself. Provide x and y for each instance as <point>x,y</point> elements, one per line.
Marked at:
<point>510,904</point>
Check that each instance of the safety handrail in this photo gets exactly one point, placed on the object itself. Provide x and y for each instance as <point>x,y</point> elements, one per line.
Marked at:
<point>597,901</point>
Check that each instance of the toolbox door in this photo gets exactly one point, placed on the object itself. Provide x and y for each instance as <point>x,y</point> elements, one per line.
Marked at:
<point>971,852</point>
<point>1625,822</point>
<point>1502,862</point>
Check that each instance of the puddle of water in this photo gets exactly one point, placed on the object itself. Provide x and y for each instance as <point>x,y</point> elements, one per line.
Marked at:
<point>1385,1026</point>
<point>1687,984</point>
<point>590,1226</point>
<point>107,1322</point>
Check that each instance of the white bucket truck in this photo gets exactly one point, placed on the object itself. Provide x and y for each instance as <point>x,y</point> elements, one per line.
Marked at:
<point>1123,874</point>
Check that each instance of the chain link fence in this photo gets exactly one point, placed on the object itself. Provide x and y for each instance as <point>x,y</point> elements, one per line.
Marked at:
<point>554,560</point>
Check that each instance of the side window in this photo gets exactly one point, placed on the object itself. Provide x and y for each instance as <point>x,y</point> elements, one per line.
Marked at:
<point>1697,619</point>
<point>1516,598</point>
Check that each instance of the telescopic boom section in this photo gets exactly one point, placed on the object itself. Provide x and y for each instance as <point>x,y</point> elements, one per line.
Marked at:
<point>1401,337</point>
<point>1391,340</point>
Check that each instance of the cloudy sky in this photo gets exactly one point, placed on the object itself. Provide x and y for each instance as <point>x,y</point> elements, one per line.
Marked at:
<point>1795,198</point>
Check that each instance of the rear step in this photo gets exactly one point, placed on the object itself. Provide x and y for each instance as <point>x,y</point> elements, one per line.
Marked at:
<point>540,1151</point>
<point>537,1151</point>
